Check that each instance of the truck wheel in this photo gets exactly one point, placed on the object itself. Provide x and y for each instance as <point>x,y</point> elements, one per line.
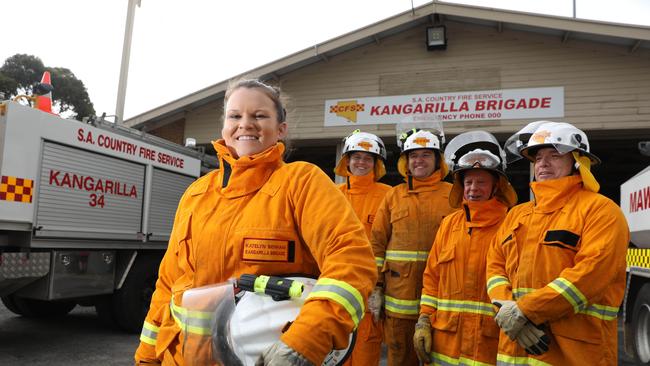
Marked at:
<point>641,326</point>
<point>9,303</point>
<point>104,309</point>
<point>37,308</point>
<point>131,302</point>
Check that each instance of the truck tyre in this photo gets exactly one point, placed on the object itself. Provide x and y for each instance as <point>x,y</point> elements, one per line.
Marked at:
<point>131,302</point>
<point>641,326</point>
<point>32,308</point>
<point>9,303</point>
<point>104,309</point>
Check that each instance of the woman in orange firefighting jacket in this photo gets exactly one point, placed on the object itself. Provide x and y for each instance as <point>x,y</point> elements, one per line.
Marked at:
<point>402,234</point>
<point>362,164</point>
<point>558,262</point>
<point>456,324</point>
<point>259,215</point>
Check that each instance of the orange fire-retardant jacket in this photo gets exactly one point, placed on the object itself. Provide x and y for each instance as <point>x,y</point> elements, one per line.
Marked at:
<point>405,225</point>
<point>224,222</point>
<point>562,257</point>
<point>454,294</point>
<point>365,194</point>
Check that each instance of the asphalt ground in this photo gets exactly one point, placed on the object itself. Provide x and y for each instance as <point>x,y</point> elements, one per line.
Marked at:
<point>80,338</point>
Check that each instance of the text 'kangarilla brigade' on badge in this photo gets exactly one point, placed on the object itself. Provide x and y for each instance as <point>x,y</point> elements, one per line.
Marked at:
<point>268,250</point>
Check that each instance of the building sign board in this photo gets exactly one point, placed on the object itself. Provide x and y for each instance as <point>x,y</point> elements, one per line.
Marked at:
<point>480,105</point>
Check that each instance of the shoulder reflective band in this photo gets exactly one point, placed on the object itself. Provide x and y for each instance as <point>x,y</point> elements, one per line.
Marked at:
<point>505,360</point>
<point>407,255</point>
<point>571,293</point>
<point>341,293</point>
<point>192,321</point>
<point>445,360</point>
<point>379,261</point>
<point>459,306</point>
<point>149,333</point>
<point>399,306</point>
<point>496,281</point>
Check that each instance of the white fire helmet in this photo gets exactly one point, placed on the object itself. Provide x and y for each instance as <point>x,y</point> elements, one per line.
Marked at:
<point>519,140</point>
<point>478,150</point>
<point>562,136</point>
<point>243,331</point>
<point>362,142</point>
<point>419,139</point>
<point>415,139</point>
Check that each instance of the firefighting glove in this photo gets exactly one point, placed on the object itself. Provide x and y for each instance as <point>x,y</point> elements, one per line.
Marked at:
<point>509,318</point>
<point>533,339</point>
<point>376,302</point>
<point>422,338</point>
<point>280,354</point>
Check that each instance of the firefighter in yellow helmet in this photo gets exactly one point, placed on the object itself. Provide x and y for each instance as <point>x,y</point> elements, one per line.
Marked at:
<point>259,215</point>
<point>456,324</point>
<point>362,164</point>
<point>558,262</point>
<point>402,234</point>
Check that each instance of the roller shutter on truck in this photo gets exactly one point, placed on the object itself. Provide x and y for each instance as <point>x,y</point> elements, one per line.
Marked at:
<point>166,191</point>
<point>90,195</point>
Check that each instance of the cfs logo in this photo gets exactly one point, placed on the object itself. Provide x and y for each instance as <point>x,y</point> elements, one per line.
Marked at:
<point>347,109</point>
<point>541,136</point>
<point>422,141</point>
<point>365,145</point>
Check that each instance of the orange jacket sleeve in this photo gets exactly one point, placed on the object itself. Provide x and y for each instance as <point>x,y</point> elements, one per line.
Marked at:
<point>380,234</point>
<point>431,276</point>
<point>498,283</point>
<point>338,243</point>
<point>167,274</point>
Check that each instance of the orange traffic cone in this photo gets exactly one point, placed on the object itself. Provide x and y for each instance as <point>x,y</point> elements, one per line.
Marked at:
<point>43,92</point>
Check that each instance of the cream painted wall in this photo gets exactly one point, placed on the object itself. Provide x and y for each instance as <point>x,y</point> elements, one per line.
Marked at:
<point>606,87</point>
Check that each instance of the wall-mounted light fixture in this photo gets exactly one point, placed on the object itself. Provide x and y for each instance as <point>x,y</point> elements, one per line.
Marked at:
<point>436,38</point>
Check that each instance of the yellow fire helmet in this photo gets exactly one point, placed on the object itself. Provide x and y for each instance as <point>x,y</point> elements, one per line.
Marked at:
<point>478,150</point>
<point>415,139</point>
<point>362,142</point>
<point>565,138</point>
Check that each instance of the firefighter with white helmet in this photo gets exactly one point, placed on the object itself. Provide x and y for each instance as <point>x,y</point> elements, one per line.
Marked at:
<point>456,324</point>
<point>402,234</point>
<point>558,261</point>
<point>362,164</point>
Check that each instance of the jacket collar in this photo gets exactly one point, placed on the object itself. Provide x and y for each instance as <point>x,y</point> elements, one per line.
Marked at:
<point>552,195</point>
<point>360,184</point>
<point>247,174</point>
<point>430,183</point>
<point>484,213</point>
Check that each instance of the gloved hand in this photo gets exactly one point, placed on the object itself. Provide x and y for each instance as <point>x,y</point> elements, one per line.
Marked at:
<point>509,318</point>
<point>279,354</point>
<point>533,339</point>
<point>376,302</point>
<point>422,338</point>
